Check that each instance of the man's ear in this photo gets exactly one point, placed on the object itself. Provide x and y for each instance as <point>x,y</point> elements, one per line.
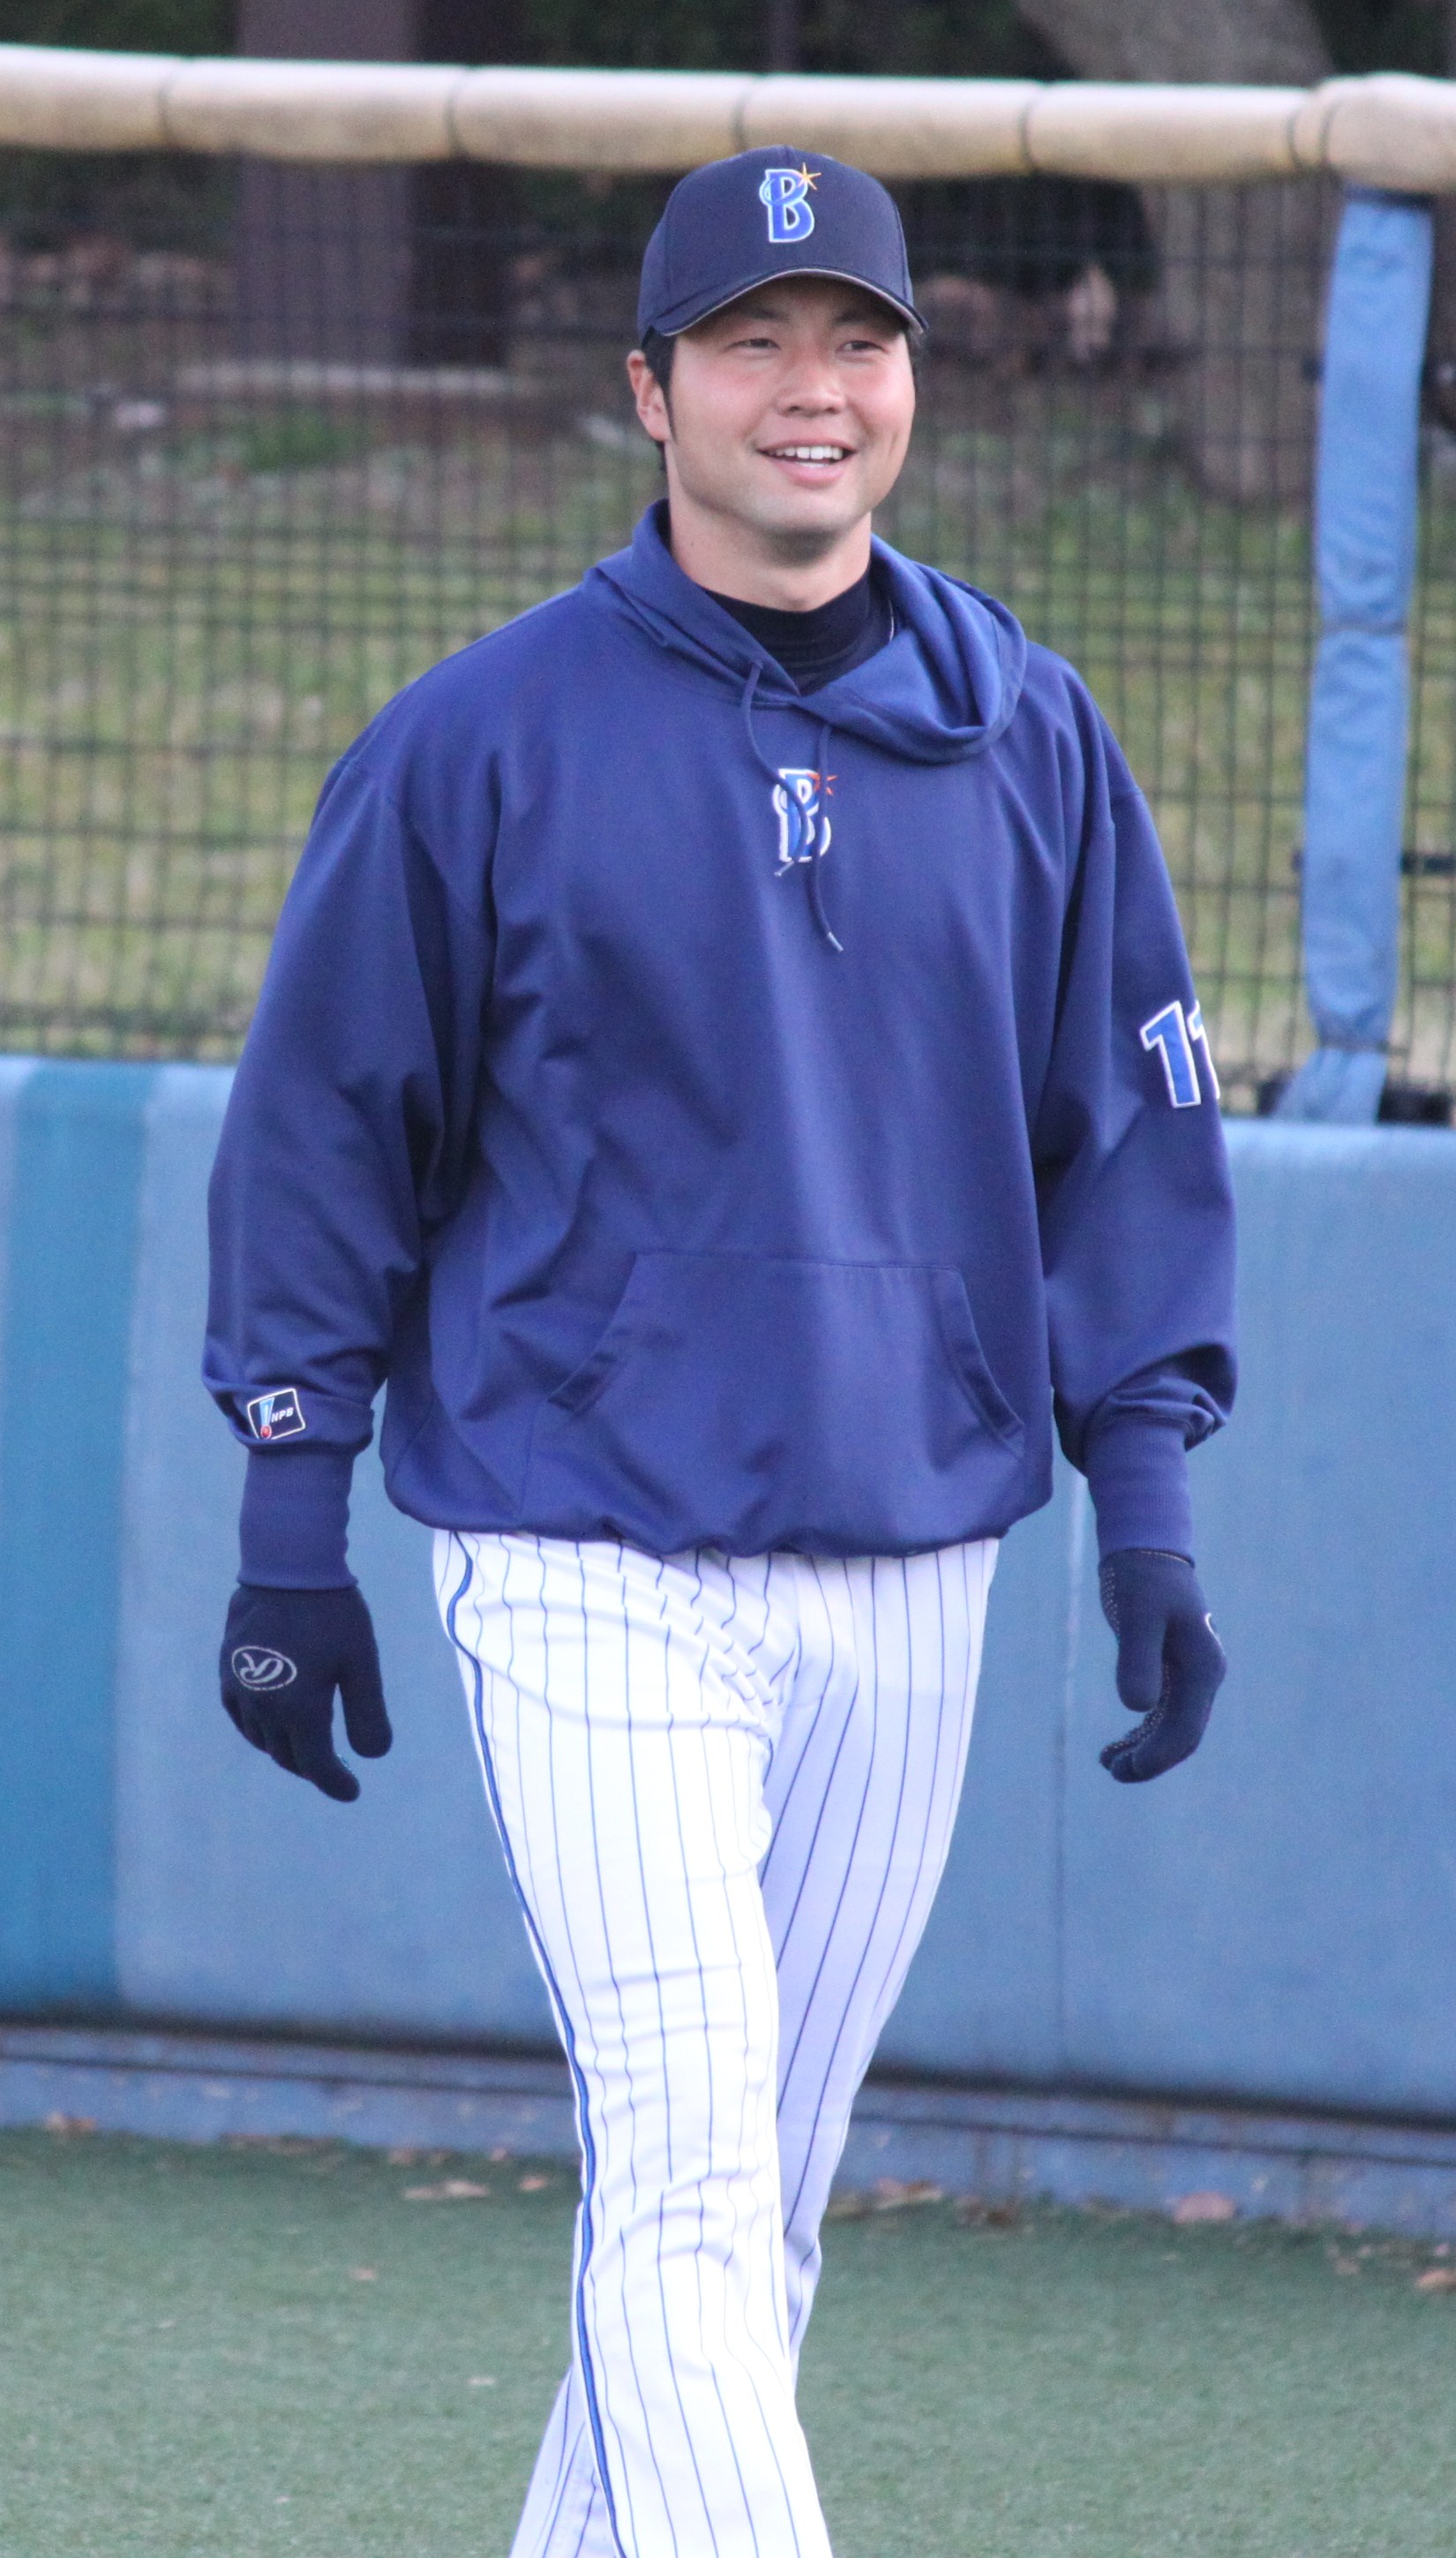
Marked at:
<point>652,402</point>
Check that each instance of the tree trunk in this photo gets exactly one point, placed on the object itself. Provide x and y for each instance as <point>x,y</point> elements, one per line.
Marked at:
<point>460,210</point>
<point>1442,358</point>
<point>781,39</point>
<point>1242,267</point>
<point>1268,43</point>
<point>323,252</point>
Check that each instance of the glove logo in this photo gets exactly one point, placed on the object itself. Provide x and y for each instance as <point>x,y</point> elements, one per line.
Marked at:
<point>785,195</point>
<point>261,1671</point>
<point>278,1415</point>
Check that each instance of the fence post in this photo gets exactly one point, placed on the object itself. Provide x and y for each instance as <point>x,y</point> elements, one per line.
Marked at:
<point>1365,559</point>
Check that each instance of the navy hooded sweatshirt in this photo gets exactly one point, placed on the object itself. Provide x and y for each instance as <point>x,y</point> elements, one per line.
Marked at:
<point>723,1116</point>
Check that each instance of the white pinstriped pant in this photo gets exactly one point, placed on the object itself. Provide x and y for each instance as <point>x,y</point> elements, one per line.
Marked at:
<point>725,1790</point>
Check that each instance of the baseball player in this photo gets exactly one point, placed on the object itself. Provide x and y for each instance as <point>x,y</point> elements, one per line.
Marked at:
<point>729,1065</point>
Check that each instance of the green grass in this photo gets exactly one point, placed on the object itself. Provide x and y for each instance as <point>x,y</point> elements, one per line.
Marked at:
<point>202,621</point>
<point>191,2365</point>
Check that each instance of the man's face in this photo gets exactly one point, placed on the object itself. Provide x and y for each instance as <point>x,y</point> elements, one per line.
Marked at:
<point>789,413</point>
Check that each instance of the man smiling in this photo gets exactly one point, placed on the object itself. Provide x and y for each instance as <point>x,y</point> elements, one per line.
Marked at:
<point>729,1062</point>
<point>790,422</point>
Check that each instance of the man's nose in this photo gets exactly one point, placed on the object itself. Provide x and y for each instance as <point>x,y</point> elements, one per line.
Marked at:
<point>812,381</point>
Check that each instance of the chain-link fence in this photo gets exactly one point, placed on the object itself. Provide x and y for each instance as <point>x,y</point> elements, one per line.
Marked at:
<point>251,485</point>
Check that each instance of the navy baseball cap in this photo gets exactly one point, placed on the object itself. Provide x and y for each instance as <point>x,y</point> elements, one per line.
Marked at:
<point>765,214</point>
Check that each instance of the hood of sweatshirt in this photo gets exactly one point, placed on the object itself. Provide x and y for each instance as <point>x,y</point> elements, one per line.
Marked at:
<point>941,690</point>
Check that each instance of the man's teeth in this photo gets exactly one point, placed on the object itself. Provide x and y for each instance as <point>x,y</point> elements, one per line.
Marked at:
<point>810,452</point>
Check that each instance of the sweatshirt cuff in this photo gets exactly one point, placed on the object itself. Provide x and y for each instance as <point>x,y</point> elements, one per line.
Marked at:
<point>294,1528</point>
<point>1137,1469</point>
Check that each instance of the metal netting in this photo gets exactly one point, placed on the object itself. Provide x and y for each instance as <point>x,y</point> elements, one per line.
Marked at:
<point>250,487</point>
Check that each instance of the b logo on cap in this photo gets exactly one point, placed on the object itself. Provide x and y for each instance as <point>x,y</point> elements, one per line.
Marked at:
<point>785,192</point>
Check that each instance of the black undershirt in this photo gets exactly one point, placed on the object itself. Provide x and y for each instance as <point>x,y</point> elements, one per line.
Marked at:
<point>828,640</point>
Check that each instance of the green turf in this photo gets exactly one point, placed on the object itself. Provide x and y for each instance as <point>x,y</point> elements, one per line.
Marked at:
<point>198,628</point>
<point>190,2364</point>
<point>203,615</point>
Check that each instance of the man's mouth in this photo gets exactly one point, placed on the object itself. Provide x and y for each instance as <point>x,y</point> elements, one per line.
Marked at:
<point>820,452</point>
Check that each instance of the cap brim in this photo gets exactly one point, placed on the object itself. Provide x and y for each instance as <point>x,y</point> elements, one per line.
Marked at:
<point>687,315</point>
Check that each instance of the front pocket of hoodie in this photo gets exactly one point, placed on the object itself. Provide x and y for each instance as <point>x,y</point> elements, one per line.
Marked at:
<point>842,1408</point>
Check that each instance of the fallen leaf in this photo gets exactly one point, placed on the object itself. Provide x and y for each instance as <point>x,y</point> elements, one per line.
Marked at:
<point>274,2144</point>
<point>888,2194</point>
<point>1436,2278</point>
<point>534,2184</point>
<point>482,2380</point>
<point>363,2274</point>
<point>973,2213</point>
<point>1204,2207</point>
<point>452,2188</point>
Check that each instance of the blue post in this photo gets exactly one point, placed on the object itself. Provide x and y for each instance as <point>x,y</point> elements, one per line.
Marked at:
<point>1364,561</point>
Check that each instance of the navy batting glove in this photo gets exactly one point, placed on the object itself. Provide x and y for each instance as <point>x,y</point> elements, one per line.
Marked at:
<point>284,1652</point>
<point>1170,1662</point>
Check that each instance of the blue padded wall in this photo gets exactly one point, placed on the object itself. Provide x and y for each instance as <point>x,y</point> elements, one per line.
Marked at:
<point>72,1153</point>
<point>243,1897</point>
<point>1275,1922</point>
<point>1278,1921</point>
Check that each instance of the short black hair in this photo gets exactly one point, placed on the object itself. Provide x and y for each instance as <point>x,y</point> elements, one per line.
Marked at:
<point>659,352</point>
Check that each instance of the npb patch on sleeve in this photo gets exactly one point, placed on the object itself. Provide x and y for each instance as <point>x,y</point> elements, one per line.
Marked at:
<point>278,1415</point>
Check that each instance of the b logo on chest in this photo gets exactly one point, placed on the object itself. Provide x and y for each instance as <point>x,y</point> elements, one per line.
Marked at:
<point>803,831</point>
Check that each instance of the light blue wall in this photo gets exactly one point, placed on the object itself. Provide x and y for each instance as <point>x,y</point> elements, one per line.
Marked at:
<point>243,1898</point>
<point>1276,1921</point>
<point>74,1142</point>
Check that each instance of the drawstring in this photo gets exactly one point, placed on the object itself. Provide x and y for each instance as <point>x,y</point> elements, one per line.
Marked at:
<point>811,860</point>
<point>821,846</point>
<point>755,749</point>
